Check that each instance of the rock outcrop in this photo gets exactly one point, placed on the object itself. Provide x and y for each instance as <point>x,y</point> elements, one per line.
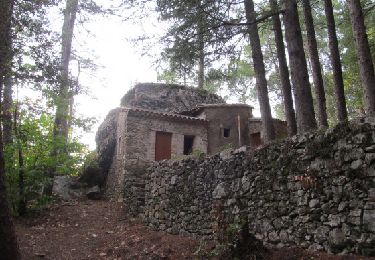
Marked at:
<point>106,140</point>
<point>168,97</point>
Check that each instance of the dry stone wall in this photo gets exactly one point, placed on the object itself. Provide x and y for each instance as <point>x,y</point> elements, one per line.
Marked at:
<point>316,191</point>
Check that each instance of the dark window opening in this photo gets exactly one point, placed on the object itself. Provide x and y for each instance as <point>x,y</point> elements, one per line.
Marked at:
<point>256,139</point>
<point>226,132</point>
<point>188,144</point>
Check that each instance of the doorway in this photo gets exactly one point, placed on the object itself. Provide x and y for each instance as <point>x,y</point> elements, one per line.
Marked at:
<point>163,144</point>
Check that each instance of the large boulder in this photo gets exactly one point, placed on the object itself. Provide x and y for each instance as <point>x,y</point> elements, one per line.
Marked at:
<point>65,187</point>
<point>106,139</point>
<point>168,97</point>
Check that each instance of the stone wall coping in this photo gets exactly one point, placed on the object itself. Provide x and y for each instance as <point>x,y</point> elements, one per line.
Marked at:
<point>140,112</point>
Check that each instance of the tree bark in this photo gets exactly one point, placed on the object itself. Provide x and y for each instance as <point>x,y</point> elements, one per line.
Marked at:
<point>8,241</point>
<point>341,111</point>
<point>300,78</point>
<point>365,62</point>
<point>261,82</point>
<point>7,109</point>
<point>61,127</point>
<point>315,65</point>
<point>201,54</point>
<point>284,72</point>
<point>21,171</point>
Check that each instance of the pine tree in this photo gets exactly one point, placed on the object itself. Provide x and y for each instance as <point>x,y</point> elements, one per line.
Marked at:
<point>336,63</point>
<point>365,62</point>
<point>315,64</point>
<point>298,67</point>
<point>260,74</point>
<point>284,72</point>
<point>8,240</point>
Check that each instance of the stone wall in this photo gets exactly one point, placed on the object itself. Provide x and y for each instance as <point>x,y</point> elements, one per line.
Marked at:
<point>281,130</point>
<point>227,117</point>
<point>136,148</point>
<point>316,191</point>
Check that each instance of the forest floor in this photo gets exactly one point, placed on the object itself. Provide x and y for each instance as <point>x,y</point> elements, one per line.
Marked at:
<point>100,230</point>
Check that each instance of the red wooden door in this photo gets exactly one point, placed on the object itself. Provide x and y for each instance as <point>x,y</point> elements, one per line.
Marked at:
<point>163,146</point>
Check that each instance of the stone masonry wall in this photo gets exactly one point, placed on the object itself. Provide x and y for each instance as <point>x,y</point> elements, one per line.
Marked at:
<point>316,191</point>
<point>137,149</point>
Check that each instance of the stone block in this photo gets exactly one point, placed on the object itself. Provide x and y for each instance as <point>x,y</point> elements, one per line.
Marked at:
<point>369,219</point>
<point>314,203</point>
<point>336,237</point>
<point>357,164</point>
<point>220,191</point>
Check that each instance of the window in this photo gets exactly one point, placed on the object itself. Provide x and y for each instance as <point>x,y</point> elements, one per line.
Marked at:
<point>188,144</point>
<point>226,132</point>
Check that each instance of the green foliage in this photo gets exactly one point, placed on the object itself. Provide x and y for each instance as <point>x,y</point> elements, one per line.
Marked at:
<point>197,153</point>
<point>34,138</point>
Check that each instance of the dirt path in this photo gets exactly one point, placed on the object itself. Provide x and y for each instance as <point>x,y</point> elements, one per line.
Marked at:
<point>96,230</point>
<point>100,230</point>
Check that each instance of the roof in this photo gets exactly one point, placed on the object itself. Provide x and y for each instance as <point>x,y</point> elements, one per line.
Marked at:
<point>140,112</point>
<point>196,110</point>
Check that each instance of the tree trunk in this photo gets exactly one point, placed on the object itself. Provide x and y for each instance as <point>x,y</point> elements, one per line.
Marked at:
<point>201,68</point>
<point>21,170</point>
<point>315,65</point>
<point>8,241</point>
<point>5,81</point>
<point>341,111</point>
<point>61,127</point>
<point>365,62</point>
<point>7,109</point>
<point>261,82</point>
<point>300,78</point>
<point>201,55</point>
<point>284,72</point>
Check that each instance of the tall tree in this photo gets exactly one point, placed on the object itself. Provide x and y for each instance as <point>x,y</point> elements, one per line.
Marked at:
<point>61,131</point>
<point>198,37</point>
<point>365,62</point>
<point>336,63</point>
<point>7,108</point>
<point>284,72</point>
<point>8,240</point>
<point>6,83</point>
<point>315,65</point>
<point>298,67</point>
<point>260,73</point>
<point>201,50</point>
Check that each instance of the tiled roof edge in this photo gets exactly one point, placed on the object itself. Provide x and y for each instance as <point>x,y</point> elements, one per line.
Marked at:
<point>157,114</point>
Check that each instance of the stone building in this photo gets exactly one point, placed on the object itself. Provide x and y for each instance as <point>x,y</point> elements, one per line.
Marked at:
<point>157,122</point>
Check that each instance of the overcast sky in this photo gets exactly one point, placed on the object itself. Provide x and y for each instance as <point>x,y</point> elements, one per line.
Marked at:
<point>121,66</point>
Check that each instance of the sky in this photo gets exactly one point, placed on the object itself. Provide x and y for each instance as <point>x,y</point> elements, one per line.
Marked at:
<point>121,66</point>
